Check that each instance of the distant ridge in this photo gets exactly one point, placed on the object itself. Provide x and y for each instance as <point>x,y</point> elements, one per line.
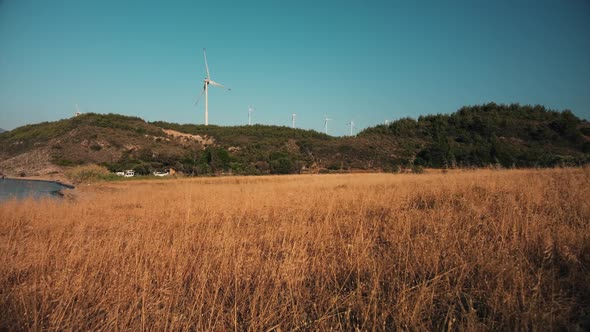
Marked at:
<point>2,131</point>
<point>474,136</point>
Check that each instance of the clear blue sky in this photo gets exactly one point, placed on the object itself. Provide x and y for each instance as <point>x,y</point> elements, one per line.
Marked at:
<point>365,61</point>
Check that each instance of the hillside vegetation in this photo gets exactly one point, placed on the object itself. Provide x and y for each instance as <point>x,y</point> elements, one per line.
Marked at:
<point>467,250</point>
<point>491,134</point>
<point>510,135</point>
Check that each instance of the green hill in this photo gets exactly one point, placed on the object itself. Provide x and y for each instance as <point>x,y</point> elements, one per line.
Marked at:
<point>508,135</point>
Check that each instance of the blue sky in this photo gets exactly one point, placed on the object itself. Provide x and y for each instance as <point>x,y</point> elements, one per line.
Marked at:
<point>364,61</point>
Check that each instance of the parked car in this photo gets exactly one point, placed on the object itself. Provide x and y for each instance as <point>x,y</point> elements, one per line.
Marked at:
<point>128,173</point>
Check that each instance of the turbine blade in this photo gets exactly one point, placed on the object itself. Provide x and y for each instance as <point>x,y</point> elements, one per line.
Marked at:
<point>201,95</point>
<point>206,65</point>
<point>216,84</point>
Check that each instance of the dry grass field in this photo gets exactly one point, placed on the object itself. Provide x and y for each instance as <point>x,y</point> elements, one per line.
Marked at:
<point>465,250</point>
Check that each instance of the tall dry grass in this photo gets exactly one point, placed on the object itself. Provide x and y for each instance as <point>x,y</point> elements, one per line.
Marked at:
<point>467,250</point>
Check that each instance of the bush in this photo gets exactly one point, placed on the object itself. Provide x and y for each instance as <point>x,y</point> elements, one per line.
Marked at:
<point>64,162</point>
<point>418,169</point>
<point>334,167</point>
<point>236,168</point>
<point>143,168</point>
<point>281,166</point>
<point>89,173</point>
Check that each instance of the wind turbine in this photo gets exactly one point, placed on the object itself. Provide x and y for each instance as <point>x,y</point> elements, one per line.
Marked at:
<point>293,120</point>
<point>250,110</point>
<point>77,111</point>
<point>352,126</point>
<point>206,83</point>
<point>326,119</point>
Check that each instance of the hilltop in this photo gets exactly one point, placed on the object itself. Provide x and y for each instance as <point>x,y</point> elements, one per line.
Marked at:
<point>474,136</point>
<point>507,135</point>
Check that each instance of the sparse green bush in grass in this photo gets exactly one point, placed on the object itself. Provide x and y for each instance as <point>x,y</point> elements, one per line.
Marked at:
<point>90,173</point>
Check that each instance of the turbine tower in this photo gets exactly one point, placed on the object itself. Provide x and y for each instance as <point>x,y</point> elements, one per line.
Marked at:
<point>250,110</point>
<point>206,83</point>
<point>293,120</point>
<point>77,111</point>
<point>352,126</point>
<point>326,119</point>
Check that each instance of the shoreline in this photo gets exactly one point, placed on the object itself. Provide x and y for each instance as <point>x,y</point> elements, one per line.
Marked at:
<point>59,182</point>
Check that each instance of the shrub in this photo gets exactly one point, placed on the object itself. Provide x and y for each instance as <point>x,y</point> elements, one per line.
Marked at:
<point>64,162</point>
<point>281,166</point>
<point>418,169</point>
<point>334,167</point>
<point>89,173</point>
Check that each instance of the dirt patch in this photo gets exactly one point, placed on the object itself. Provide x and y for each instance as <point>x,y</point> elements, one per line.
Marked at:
<point>188,138</point>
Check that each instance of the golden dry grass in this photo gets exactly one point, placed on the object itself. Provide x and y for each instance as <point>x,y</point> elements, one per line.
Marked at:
<point>469,250</point>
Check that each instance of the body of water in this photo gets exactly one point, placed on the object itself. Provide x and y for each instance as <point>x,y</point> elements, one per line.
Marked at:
<point>19,189</point>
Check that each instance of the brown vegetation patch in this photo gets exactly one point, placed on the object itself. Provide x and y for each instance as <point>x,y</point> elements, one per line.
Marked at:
<point>479,250</point>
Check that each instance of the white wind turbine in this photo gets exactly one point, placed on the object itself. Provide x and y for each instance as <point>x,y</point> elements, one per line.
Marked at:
<point>352,127</point>
<point>77,111</point>
<point>206,83</point>
<point>326,119</point>
<point>293,120</point>
<point>250,110</point>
